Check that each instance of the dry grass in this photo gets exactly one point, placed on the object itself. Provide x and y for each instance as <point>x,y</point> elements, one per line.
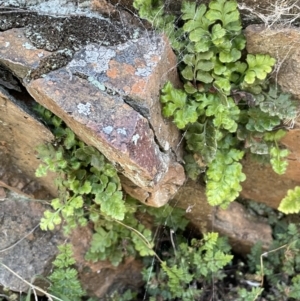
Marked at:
<point>281,13</point>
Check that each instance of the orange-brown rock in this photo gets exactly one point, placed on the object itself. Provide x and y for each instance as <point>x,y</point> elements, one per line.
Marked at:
<point>282,44</point>
<point>242,229</point>
<point>101,278</point>
<point>20,134</point>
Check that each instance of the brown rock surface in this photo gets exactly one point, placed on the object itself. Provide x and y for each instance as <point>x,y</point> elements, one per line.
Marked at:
<point>242,229</point>
<point>17,54</point>
<point>262,183</point>
<point>20,134</point>
<point>101,277</point>
<point>282,44</point>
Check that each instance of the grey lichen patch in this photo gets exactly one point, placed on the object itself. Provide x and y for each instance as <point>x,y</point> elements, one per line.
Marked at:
<point>96,83</point>
<point>143,72</point>
<point>84,109</point>
<point>107,130</point>
<point>91,61</point>
<point>122,131</point>
<point>28,46</point>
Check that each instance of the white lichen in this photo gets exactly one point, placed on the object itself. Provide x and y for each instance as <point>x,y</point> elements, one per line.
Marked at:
<point>84,109</point>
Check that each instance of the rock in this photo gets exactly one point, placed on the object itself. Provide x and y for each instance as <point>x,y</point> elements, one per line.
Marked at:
<point>20,134</point>
<point>242,229</point>
<point>264,185</point>
<point>101,278</point>
<point>24,248</point>
<point>282,44</point>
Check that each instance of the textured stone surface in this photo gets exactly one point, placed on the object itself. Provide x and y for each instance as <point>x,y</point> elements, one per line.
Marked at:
<point>102,278</point>
<point>109,96</point>
<point>20,56</point>
<point>24,248</point>
<point>242,229</point>
<point>20,134</point>
<point>262,183</point>
<point>282,44</point>
<point>107,111</point>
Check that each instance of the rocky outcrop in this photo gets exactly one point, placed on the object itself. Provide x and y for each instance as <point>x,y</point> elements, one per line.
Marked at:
<point>108,95</point>
<point>103,77</point>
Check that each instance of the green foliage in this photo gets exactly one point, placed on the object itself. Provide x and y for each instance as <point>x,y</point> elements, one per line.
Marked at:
<point>116,296</point>
<point>194,265</point>
<point>168,216</point>
<point>259,66</point>
<point>224,94</point>
<point>291,202</point>
<point>223,177</point>
<point>252,295</point>
<point>280,266</point>
<point>64,278</point>
<point>84,176</point>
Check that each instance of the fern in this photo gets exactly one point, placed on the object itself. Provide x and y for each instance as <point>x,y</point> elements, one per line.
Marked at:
<point>64,278</point>
<point>295,288</point>
<point>192,267</point>
<point>223,178</point>
<point>223,94</point>
<point>259,66</point>
<point>252,295</point>
<point>83,175</point>
<point>291,202</point>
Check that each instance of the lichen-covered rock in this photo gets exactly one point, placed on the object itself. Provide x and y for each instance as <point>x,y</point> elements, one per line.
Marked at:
<point>109,96</point>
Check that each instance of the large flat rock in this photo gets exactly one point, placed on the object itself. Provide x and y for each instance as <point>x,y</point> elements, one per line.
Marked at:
<point>109,96</point>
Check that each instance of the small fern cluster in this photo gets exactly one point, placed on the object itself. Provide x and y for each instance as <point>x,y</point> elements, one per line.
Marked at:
<point>84,178</point>
<point>90,191</point>
<point>64,278</point>
<point>191,267</point>
<point>226,103</point>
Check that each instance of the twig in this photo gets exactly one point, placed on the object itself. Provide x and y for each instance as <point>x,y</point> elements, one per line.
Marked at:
<point>13,245</point>
<point>34,287</point>
<point>3,184</point>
